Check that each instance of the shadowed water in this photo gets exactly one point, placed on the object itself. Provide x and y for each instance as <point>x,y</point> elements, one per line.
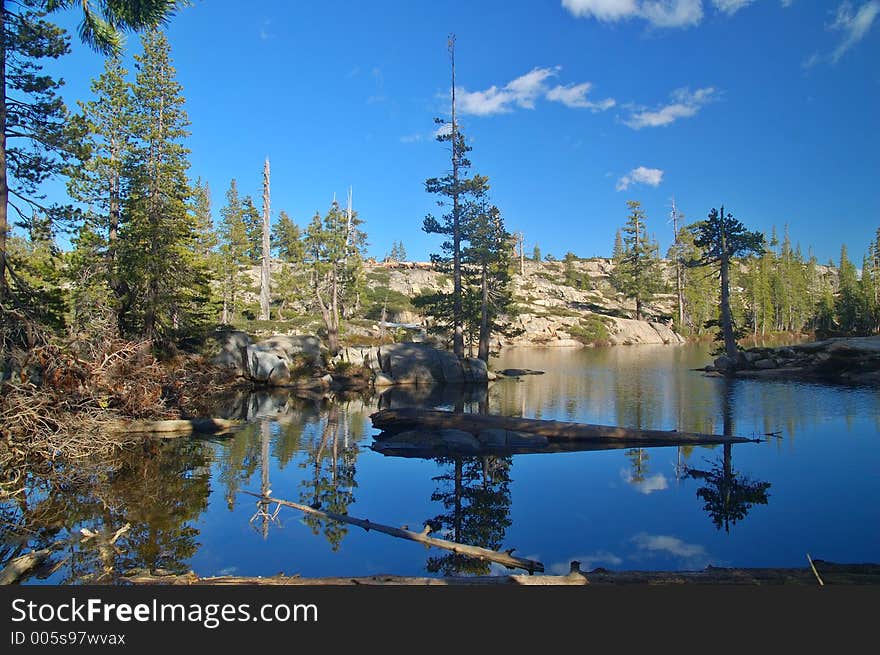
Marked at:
<point>810,486</point>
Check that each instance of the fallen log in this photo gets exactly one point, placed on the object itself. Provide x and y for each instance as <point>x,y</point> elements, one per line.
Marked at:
<point>177,427</point>
<point>507,559</point>
<point>394,421</point>
<point>369,581</point>
<point>833,574</point>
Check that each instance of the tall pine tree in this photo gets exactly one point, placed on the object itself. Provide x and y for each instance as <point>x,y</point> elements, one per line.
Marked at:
<point>167,280</point>
<point>637,272</point>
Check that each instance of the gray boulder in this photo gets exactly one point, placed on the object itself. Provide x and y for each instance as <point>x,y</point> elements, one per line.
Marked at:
<point>231,344</point>
<point>266,367</point>
<point>289,347</point>
<point>474,370</point>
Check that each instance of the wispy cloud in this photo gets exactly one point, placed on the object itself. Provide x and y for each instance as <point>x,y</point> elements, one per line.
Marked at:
<point>684,104</point>
<point>854,26</point>
<point>660,13</point>
<point>733,6</point>
<point>575,96</point>
<point>691,555</point>
<point>265,33</point>
<point>443,128</point>
<point>524,92</point>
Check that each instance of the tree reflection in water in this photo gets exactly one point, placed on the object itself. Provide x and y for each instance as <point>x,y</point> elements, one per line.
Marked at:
<point>331,485</point>
<point>475,495</point>
<point>728,495</point>
<point>159,492</point>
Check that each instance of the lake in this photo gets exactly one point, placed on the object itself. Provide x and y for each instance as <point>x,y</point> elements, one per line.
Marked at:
<point>811,486</point>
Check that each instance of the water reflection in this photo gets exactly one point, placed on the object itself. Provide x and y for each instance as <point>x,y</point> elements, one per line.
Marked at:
<point>728,495</point>
<point>314,450</point>
<point>158,493</point>
<point>475,495</point>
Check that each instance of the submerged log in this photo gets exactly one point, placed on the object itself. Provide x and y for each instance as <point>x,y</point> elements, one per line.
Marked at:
<point>395,421</point>
<point>507,559</point>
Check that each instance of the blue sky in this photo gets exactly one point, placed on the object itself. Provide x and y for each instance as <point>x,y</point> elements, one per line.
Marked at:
<point>572,107</point>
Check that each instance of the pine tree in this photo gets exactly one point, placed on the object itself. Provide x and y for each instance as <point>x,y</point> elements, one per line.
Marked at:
<point>233,254</point>
<point>846,304</point>
<point>287,240</point>
<point>37,134</point>
<point>866,308</point>
<point>637,273</point>
<point>536,253</point>
<point>455,190</point>
<point>334,247</point>
<point>488,254</point>
<point>253,225</point>
<point>722,237</point>
<point>104,21</point>
<point>167,282</point>
<point>101,181</point>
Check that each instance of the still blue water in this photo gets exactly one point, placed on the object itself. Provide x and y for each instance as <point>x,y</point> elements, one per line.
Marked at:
<point>811,486</point>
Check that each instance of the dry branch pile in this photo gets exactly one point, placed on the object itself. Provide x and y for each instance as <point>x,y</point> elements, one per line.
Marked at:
<point>58,402</point>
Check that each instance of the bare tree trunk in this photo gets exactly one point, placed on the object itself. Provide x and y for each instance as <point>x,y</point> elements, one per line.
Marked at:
<point>264,271</point>
<point>457,318</point>
<point>730,348</point>
<point>483,349</point>
<point>679,287</point>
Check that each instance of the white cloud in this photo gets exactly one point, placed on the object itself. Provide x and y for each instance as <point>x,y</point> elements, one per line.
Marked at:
<point>575,96</point>
<point>588,562</point>
<point>658,481</point>
<point>606,10</point>
<point>526,88</point>
<point>672,13</point>
<point>442,129</point>
<point>660,13</point>
<point>733,6</point>
<point>412,138</point>
<point>787,3</point>
<point>684,105</point>
<point>524,91</point>
<point>853,24</point>
<point>690,556</point>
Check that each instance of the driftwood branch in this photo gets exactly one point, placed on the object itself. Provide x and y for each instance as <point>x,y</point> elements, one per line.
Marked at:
<point>463,549</point>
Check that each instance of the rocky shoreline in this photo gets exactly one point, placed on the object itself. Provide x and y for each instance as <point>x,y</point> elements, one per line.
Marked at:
<point>852,360</point>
